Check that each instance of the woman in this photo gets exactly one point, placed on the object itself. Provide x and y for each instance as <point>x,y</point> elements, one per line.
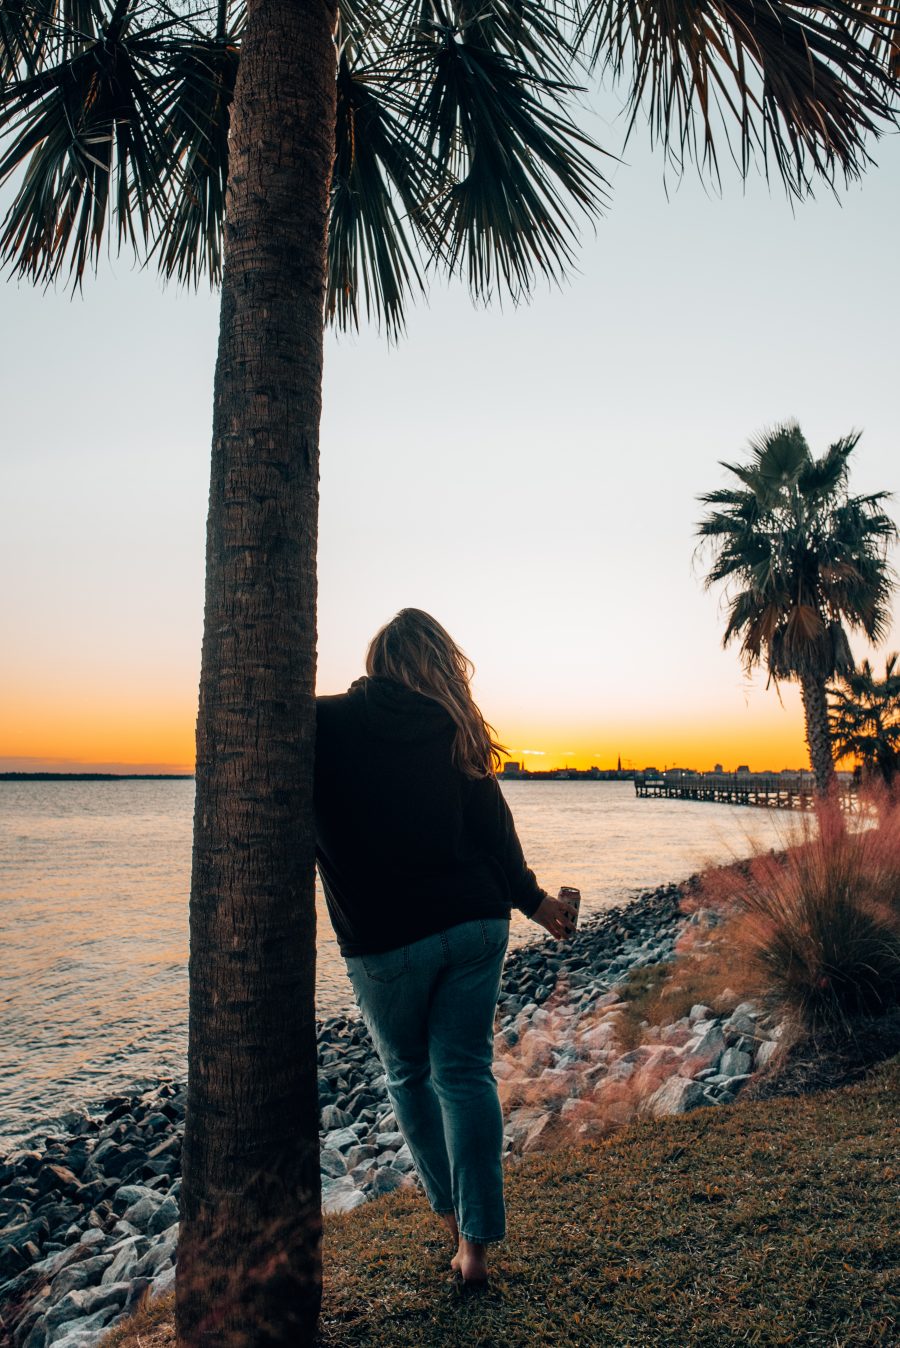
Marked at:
<point>421,865</point>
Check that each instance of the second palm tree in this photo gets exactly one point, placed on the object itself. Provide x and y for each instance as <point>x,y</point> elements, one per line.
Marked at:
<point>807,563</point>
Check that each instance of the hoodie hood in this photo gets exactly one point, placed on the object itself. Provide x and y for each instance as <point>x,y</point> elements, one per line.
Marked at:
<point>394,712</point>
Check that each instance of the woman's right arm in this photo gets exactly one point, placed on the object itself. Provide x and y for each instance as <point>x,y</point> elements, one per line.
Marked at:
<point>490,818</point>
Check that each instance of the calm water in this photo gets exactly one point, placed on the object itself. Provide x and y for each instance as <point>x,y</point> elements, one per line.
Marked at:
<point>94,880</point>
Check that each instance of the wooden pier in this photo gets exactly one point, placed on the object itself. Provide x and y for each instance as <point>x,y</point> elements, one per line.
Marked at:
<point>772,790</point>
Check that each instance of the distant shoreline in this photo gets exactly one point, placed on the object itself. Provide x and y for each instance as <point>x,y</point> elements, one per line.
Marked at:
<point>96,776</point>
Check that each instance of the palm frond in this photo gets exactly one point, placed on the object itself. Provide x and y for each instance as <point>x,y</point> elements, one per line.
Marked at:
<point>513,159</point>
<point>29,29</point>
<point>381,177</point>
<point>85,132</point>
<point>802,83</point>
<point>195,97</point>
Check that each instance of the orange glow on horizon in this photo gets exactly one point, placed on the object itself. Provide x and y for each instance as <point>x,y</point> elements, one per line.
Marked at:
<point>132,732</point>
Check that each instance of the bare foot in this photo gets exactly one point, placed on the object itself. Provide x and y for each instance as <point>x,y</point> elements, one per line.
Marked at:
<point>470,1262</point>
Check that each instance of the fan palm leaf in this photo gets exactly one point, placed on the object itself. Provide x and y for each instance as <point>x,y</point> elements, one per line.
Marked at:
<point>801,85</point>
<point>457,140</point>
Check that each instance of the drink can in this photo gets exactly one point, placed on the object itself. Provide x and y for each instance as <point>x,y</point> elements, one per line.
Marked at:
<point>574,897</point>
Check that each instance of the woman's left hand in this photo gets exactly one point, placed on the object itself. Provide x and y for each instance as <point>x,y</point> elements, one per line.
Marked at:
<point>556,916</point>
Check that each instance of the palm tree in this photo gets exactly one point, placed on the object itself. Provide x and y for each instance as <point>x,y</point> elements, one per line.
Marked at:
<point>311,163</point>
<point>807,563</point>
<point>865,719</point>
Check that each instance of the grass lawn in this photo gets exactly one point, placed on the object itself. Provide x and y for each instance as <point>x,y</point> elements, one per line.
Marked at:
<point>769,1222</point>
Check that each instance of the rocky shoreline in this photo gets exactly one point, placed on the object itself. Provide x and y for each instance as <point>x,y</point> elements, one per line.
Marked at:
<point>89,1216</point>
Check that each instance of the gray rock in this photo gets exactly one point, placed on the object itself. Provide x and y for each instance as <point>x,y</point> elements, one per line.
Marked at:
<point>165,1216</point>
<point>65,1311</point>
<point>35,1337</point>
<point>342,1195</point>
<point>113,1294</point>
<point>677,1095</point>
<point>125,1257</point>
<point>84,1332</point>
<point>700,1012</point>
<point>734,1063</point>
<point>356,1155</point>
<point>333,1117</point>
<point>403,1160</point>
<point>738,1027</point>
<point>77,1276</point>
<point>537,1137</point>
<point>385,1140</point>
<point>127,1195</point>
<point>386,1180</point>
<point>341,1139</point>
<point>332,1162</point>
<point>159,1254</point>
<point>704,1051</point>
<point>765,1053</point>
<point>162,1283</point>
<point>141,1213</point>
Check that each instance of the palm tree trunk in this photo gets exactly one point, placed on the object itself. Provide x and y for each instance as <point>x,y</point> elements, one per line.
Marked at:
<point>249,1268</point>
<point>818,734</point>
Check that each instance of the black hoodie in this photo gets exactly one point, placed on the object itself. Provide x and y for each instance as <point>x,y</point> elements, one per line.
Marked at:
<point>407,845</point>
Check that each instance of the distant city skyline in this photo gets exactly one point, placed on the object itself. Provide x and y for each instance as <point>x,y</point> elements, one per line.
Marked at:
<point>529,475</point>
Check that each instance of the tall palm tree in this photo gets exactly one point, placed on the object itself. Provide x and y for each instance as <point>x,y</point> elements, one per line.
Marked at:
<point>308,163</point>
<point>807,565</point>
<point>865,719</point>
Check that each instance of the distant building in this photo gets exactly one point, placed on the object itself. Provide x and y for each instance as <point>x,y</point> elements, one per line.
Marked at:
<point>511,769</point>
<point>718,768</point>
<point>743,770</point>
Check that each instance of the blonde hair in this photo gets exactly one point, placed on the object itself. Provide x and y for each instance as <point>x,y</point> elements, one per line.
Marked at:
<point>413,649</point>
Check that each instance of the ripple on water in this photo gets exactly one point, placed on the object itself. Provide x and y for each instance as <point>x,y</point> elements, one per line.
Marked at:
<point>94,883</point>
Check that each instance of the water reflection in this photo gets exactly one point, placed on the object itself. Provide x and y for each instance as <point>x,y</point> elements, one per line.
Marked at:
<point>94,880</point>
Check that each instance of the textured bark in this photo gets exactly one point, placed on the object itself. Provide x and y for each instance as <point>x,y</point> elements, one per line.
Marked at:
<point>249,1267</point>
<point>818,734</point>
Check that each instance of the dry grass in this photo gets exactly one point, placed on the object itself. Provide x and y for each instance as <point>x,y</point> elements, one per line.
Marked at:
<point>767,1222</point>
<point>816,929</point>
<point>151,1326</point>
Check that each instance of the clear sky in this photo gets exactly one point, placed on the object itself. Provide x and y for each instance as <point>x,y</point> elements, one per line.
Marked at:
<point>529,475</point>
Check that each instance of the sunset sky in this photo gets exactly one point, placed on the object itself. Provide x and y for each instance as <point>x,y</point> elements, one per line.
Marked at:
<point>529,475</point>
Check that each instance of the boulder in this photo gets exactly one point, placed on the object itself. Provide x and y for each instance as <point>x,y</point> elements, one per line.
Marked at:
<point>704,1050</point>
<point>738,1026</point>
<point>388,1139</point>
<point>699,1011</point>
<point>342,1195</point>
<point>332,1162</point>
<point>539,1134</point>
<point>80,1275</point>
<point>125,1256</point>
<point>83,1332</point>
<point>141,1213</point>
<point>165,1216</point>
<point>57,1179</point>
<point>386,1180</point>
<point>403,1160</point>
<point>333,1117</point>
<point>677,1095</point>
<point>734,1063</point>
<point>765,1053</point>
<point>162,1283</point>
<point>341,1139</point>
<point>159,1254</point>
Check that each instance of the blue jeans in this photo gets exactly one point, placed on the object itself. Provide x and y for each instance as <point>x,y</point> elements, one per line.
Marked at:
<point>430,1008</point>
